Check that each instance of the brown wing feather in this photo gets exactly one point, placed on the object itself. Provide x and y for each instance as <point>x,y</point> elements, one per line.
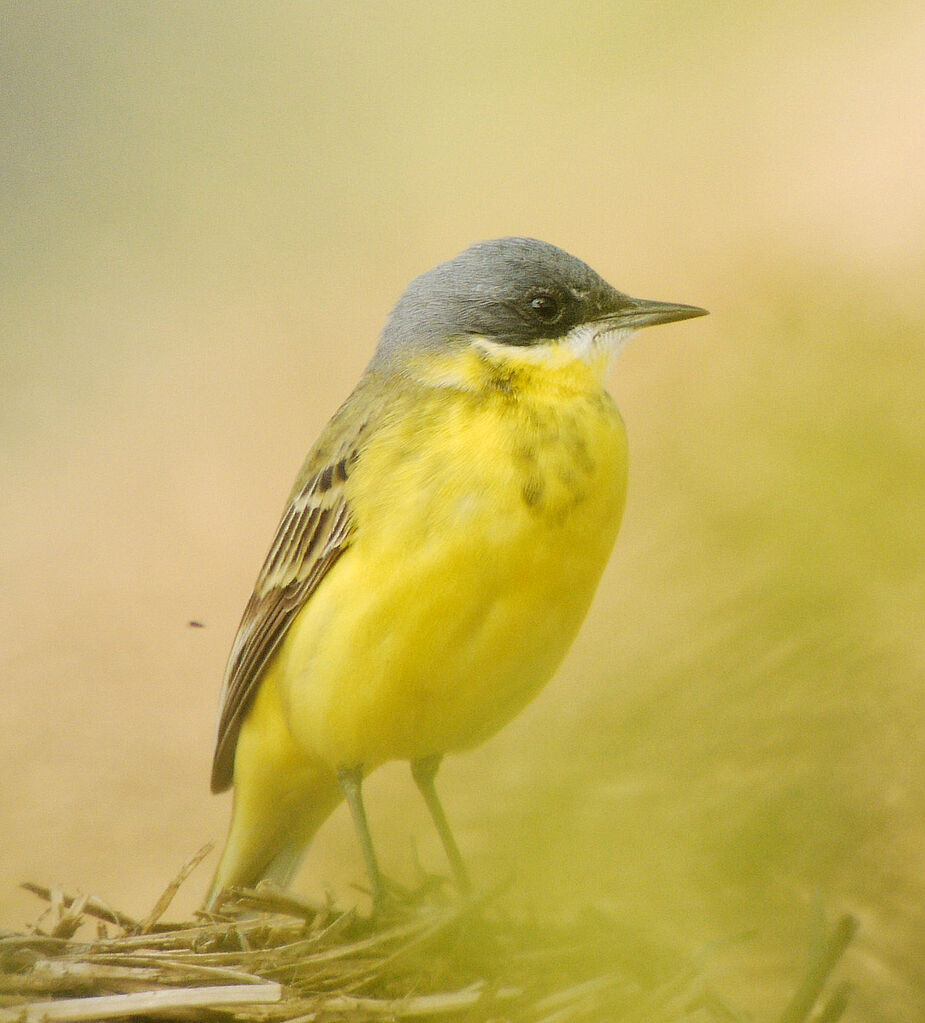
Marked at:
<point>313,533</point>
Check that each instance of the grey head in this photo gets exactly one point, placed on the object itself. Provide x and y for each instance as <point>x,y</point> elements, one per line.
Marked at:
<point>515,291</point>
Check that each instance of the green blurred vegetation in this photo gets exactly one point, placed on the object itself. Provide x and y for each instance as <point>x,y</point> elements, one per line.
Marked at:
<point>751,745</point>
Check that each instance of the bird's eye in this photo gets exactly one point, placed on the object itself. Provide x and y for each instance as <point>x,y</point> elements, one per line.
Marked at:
<point>546,307</point>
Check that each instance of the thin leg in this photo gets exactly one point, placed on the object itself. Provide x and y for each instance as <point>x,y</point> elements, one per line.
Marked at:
<point>351,780</point>
<point>424,772</point>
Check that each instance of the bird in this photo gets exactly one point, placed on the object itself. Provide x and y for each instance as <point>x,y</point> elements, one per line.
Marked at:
<point>437,553</point>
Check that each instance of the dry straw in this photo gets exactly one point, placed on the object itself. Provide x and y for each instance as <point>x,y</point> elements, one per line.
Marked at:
<point>270,957</point>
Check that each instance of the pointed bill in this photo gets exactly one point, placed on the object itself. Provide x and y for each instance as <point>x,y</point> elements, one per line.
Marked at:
<point>641,312</point>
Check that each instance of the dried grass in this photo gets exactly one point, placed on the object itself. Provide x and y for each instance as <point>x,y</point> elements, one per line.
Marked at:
<point>269,957</point>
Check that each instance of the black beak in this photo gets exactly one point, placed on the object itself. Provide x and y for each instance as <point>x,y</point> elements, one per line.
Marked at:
<point>639,312</point>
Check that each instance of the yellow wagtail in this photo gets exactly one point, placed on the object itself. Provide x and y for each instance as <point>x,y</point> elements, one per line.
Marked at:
<point>439,550</point>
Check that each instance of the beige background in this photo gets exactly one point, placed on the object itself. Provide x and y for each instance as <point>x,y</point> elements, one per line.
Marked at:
<point>208,211</point>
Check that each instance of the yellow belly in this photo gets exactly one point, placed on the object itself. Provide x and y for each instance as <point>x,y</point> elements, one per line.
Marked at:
<point>482,527</point>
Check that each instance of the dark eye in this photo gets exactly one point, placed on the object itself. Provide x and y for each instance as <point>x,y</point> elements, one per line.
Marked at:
<point>546,307</point>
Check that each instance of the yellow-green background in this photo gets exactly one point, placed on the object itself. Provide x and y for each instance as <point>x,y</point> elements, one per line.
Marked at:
<point>208,210</point>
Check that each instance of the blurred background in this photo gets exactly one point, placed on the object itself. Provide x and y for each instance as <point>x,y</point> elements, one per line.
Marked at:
<point>209,210</point>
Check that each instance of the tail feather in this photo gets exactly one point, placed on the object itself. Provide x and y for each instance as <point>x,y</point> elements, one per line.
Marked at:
<point>270,835</point>
<point>281,797</point>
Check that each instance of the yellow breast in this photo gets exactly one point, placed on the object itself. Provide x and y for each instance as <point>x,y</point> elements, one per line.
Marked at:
<point>485,508</point>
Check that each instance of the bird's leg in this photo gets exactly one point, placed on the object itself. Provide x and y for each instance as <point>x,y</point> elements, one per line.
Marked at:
<point>351,781</point>
<point>424,772</point>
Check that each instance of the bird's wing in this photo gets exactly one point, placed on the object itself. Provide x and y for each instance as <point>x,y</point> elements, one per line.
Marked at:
<point>315,530</point>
